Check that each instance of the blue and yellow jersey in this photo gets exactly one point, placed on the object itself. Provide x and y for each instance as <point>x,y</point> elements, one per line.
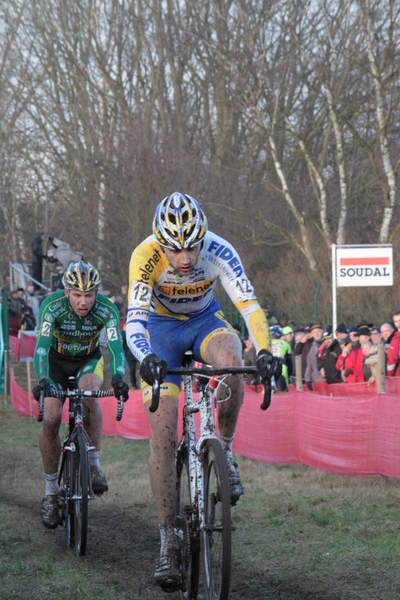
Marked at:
<point>76,337</point>
<point>154,286</point>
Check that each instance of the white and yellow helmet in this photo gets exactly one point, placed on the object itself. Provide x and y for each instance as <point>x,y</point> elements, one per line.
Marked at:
<point>179,222</point>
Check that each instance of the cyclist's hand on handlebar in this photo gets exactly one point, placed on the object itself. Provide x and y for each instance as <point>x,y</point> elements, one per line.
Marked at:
<point>120,387</point>
<point>148,368</point>
<point>268,365</point>
<point>43,386</point>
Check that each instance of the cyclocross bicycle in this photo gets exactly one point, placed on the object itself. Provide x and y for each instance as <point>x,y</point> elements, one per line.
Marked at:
<point>74,475</point>
<point>203,509</point>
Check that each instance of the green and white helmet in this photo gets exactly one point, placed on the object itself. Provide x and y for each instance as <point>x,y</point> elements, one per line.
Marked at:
<point>81,276</point>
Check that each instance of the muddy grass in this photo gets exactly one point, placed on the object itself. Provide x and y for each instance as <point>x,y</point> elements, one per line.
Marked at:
<point>122,539</point>
<point>302,534</point>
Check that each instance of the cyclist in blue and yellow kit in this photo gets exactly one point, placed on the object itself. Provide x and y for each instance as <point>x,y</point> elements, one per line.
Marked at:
<point>172,309</point>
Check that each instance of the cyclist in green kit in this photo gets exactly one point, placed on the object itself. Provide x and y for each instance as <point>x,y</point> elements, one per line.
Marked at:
<point>68,344</point>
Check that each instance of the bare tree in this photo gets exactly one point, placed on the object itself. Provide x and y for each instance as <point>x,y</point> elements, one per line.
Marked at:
<point>16,184</point>
<point>281,117</point>
<point>381,35</point>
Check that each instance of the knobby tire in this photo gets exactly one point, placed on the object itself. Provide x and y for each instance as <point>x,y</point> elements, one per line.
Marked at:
<point>188,525</point>
<point>80,494</point>
<point>216,536</point>
<point>67,516</point>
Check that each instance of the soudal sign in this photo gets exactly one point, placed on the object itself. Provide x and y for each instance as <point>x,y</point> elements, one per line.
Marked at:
<point>364,266</point>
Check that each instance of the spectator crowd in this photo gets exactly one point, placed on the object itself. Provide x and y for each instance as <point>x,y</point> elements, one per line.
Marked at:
<point>348,354</point>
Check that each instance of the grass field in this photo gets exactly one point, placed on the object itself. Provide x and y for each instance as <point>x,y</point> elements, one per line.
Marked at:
<point>301,533</point>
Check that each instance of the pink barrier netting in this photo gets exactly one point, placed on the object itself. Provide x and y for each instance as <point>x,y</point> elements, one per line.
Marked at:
<point>354,434</point>
<point>23,346</point>
<point>134,423</point>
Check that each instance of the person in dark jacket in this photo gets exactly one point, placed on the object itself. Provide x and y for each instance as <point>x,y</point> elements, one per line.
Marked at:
<point>303,347</point>
<point>328,354</point>
<point>37,259</point>
<point>16,309</point>
<point>21,315</point>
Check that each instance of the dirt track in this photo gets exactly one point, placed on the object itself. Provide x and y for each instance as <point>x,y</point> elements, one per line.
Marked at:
<point>123,536</point>
<point>122,539</point>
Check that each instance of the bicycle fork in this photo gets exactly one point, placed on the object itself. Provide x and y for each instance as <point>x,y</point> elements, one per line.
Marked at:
<point>70,446</point>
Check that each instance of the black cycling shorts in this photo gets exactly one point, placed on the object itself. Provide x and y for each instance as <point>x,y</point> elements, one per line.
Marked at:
<point>61,367</point>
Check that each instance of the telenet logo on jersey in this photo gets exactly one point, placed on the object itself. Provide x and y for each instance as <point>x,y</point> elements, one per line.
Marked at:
<point>364,266</point>
<point>185,290</point>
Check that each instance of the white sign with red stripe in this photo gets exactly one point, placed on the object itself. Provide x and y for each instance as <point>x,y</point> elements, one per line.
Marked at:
<point>364,266</point>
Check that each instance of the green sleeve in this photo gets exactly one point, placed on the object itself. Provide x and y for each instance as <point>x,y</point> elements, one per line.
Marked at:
<point>43,343</point>
<point>114,342</point>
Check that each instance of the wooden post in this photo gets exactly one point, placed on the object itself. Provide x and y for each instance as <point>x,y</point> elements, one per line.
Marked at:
<point>380,382</point>
<point>299,374</point>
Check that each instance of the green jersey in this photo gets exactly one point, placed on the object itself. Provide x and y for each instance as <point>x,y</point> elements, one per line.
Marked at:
<point>281,349</point>
<point>75,337</point>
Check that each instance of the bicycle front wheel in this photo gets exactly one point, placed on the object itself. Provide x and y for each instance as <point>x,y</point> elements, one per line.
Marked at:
<point>216,535</point>
<point>65,494</point>
<point>187,525</point>
<point>80,496</point>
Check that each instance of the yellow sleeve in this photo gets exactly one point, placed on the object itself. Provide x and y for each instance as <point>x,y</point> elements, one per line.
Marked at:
<point>256,323</point>
<point>146,264</point>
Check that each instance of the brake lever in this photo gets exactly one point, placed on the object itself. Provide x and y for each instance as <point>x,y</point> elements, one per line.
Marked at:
<point>41,406</point>
<point>269,387</point>
<point>155,400</point>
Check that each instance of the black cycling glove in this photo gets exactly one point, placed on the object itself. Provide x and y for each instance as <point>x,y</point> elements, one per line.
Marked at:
<point>268,365</point>
<point>44,385</point>
<point>148,368</point>
<point>120,387</point>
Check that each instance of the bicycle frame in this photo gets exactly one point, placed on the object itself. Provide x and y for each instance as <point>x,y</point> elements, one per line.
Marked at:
<point>203,521</point>
<point>75,427</point>
<point>74,480</point>
<point>207,425</point>
<point>194,445</point>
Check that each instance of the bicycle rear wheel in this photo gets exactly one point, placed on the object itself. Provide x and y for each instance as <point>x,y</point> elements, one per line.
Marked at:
<point>216,536</point>
<point>80,496</point>
<point>187,525</point>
